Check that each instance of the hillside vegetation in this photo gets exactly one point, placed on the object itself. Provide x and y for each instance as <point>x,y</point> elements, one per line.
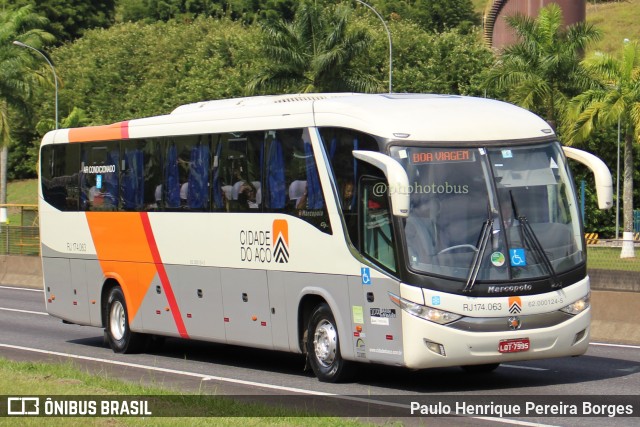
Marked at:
<point>618,20</point>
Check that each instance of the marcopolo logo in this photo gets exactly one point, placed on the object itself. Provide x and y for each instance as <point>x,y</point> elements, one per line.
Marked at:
<point>281,241</point>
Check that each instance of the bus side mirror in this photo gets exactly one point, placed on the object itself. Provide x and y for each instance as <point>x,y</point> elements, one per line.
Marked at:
<point>604,188</point>
<point>397,179</point>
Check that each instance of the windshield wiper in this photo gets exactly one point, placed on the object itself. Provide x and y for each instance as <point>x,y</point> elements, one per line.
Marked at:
<point>483,240</point>
<point>529,237</point>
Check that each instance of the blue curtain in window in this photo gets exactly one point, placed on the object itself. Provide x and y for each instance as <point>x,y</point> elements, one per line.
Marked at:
<point>110,180</point>
<point>314,191</point>
<point>84,185</point>
<point>172,190</point>
<point>275,178</point>
<point>198,195</point>
<point>133,180</point>
<point>217,189</point>
<point>333,147</point>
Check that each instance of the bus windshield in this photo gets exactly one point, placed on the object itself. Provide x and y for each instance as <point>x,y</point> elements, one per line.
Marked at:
<point>490,214</point>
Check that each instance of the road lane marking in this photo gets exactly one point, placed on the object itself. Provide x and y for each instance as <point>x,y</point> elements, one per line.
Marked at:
<point>13,288</point>
<point>169,371</point>
<point>24,311</point>
<point>204,377</point>
<point>602,344</point>
<point>531,368</point>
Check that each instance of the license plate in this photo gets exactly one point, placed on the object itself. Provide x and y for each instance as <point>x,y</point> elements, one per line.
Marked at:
<point>514,346</point>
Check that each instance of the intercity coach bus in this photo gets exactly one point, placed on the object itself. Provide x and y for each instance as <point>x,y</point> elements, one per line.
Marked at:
<point>401,229</point>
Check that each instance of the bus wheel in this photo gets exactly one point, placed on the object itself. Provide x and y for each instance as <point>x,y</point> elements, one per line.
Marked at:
<point>323,347</point>
<point>121,338</point>
<point>480,369</point>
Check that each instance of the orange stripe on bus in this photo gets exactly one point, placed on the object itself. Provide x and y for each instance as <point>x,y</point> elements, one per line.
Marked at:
<point>100,133</point>
<point>124,253</point>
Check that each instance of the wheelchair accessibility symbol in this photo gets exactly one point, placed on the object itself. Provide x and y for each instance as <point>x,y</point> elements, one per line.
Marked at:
<point>366,275</point>
<point>518,258</point>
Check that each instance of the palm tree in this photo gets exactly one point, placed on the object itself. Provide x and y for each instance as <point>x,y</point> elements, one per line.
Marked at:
<point>76,118</point>
<point>16,83</point>
<point>314,53</point>
<point>615,100</point>
<point>542,71</point>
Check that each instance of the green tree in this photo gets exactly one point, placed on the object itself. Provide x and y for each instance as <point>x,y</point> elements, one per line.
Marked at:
<point>77,118</point>
<point>69,19</point>
<point>314,53</point>
<point>16,82</point>
<point>247,11</point>
<point>450,62</point>
<point>615,100</point>
<point>430,15</point>
<point>135,70</point>
<point>542,72</point>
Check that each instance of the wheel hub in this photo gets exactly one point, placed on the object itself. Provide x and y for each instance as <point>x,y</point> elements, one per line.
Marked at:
<point>117,321</point>
<point>325,340</point>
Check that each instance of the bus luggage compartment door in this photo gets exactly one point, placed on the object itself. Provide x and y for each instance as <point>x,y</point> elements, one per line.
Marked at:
<point>66,294</point>
<point>246,307</point>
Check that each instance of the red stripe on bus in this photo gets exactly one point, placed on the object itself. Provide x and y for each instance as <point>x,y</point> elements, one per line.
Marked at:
<point>162,273</point>
<point>124,130</point>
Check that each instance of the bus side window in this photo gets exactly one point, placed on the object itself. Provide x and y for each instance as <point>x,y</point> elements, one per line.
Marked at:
<point>187,166</point>
<point>132,176</point>
<point>339,144</point>
<point>153,167</point>
<point>376,223</point>
<point>99,176</point>
<point>304,195</point>
<point>276,196</point>
<point>59,175</point>
<point>237,174</point>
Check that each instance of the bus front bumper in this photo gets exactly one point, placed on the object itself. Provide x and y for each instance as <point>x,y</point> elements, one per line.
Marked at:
<point>430,345</point>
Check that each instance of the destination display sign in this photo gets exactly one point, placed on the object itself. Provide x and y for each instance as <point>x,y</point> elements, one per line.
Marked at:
<point>442,156</point>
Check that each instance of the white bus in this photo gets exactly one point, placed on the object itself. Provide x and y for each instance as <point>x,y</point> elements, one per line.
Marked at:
<point>410,230</point>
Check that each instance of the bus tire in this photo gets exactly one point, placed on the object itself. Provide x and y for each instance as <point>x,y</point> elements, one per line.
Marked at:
<point>323,347</point>
<point>480,369</point>
<point>120,337</point>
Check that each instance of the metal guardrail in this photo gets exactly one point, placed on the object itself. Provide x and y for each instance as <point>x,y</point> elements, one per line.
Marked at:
<point>18,240</point>
<point>21,234</point>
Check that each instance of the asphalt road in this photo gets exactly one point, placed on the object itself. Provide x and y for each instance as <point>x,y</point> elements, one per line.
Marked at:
<point>28,333</point>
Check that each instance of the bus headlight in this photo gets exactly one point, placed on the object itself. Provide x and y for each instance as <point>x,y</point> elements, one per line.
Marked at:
<point>579,306</point>
<point>422,311</point>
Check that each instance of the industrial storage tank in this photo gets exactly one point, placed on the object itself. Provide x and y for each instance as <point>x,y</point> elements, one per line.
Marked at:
<point>497,32</point>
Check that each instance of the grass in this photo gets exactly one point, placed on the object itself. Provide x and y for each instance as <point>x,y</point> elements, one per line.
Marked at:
<point>617,21</point>
<point>609,259</point>
<point>43,379</point>
<point>23,192</point>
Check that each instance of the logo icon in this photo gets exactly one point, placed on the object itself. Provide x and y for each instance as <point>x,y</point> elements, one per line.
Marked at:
<point>514,323</point>
<point>281,241</point>
<point>497,259</point>
<point>366,275</point>
<point>515,305</point>
<point>518,258</point>
<point>23,406</point>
